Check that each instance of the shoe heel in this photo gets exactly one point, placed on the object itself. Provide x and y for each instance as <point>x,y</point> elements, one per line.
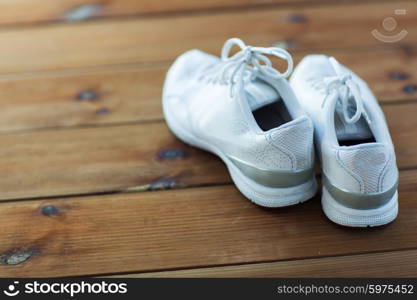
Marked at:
<point>268,196</point>
<point>347,216</point>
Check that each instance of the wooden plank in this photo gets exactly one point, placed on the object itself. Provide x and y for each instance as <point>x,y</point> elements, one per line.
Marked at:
<point>391,74</point>
<point>65,99</point>
<point>385,264</point>
<point>163,38</point>
<point>198,227</point>
<point>401,134</point>
<point>104,159</point>
<point>123,94</point>
<point>28,11</point>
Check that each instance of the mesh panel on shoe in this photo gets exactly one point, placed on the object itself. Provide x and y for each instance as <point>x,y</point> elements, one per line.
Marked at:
<point>267,156</point>
<point>259,152</point>
<point>390,176</point>
<point>367,165</point>
<point>298,141</point>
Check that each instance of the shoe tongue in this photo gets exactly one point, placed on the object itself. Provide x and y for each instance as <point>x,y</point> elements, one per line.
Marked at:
<point>349,132</point>
<point>259,93</point>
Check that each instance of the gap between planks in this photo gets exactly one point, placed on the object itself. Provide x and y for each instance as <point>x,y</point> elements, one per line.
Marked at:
<point>43,12</point>
<point>402,263</point>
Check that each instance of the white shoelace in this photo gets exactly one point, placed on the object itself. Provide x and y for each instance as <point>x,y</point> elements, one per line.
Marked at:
<point>342,87</point>
<point>250,59</point>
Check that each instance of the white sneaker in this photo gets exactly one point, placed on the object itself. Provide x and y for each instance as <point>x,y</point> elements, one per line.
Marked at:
<point>243,110</point>
<point>360,174</point>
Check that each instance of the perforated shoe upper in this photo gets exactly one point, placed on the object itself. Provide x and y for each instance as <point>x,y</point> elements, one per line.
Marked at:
<point>221,117</point>
<point>366,167</point>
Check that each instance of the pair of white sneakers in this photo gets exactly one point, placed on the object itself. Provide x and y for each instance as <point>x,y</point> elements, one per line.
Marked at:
<point>242,109</point>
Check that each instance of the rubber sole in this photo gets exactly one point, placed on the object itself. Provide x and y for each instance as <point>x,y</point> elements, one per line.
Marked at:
<point>359,217</point>
<point>258,194</point>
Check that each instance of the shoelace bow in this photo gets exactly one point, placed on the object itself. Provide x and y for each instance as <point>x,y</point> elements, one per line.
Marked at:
<point>343,88</point>
<point>252,59</point>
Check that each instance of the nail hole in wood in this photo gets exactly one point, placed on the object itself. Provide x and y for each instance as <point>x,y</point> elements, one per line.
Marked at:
<point>399,76</point>
<point>102,111</point>
<point>296,18</point>
<point>171,154</point>
<point>16,257</point>
<point>87,95</point>
<point>49,210</point>
<point>410,88</point>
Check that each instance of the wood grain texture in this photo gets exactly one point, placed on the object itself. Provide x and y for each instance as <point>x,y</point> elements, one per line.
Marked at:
<point>145,156</point>
<point>124,94</point>
<point>160,39</point>
<point>400,264</point>
<point>197,227</point>
<point>104,77</point>
<point>64,99</point>
<point>103,159</point>
<point>29,11</point>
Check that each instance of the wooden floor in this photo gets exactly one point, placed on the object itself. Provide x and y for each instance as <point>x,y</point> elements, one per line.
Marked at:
<point>93,183</point>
